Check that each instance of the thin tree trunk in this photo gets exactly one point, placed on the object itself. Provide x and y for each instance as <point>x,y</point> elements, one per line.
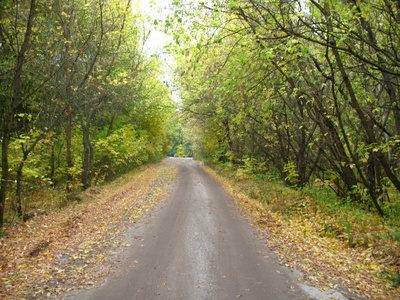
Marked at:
<point>68,96</point>
<point>16,101</point>
<point>112,122</point>
<point>86,170</point>
<point>354,103</point>
<point>70,163</point>
<point>357,108</point>
<point>52,163</point>
<point>4,171</point>
<point>387,82</point>
<point>19,186</point>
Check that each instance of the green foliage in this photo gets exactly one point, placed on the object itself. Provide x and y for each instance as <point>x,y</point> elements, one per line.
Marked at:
<point>179,136</point>
<point>122,148</point>
<point>180,151</point>
<point>290,170</point>
<point>275,90</point>
<point>395,234</point>
<point>395,277</point>
<point>89,101</point>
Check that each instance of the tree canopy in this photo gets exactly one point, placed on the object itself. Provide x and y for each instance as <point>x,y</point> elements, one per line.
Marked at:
<point>307,89</point>
<point>80,97</point>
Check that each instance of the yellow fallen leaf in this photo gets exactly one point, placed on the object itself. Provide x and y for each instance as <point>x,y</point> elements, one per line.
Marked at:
<point>373,267</point>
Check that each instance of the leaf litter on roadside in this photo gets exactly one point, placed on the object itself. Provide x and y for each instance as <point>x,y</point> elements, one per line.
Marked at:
<point>322,246</point>
<point>76,247</point>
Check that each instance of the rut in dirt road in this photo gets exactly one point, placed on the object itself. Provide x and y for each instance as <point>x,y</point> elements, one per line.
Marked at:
<point>197,246</point>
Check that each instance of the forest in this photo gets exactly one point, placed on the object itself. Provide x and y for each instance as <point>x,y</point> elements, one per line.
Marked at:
<point>306,90</point>
<point>294,104</point>
<point>80,99</point>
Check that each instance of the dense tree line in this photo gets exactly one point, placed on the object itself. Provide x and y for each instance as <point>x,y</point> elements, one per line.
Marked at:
<point>79,97</point>
<point>308,89</point>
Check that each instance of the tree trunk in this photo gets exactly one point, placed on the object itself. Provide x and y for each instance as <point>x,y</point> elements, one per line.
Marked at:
<point>52,163</point>
<point>16,101</point>
<point>70,163</point>
<point>4,171</point>
<point>387,82</point>
<point>68,98</point>
<point>112,122</point>
<point>356,106</point>
<point>86,164</point>
<point>19,187</point>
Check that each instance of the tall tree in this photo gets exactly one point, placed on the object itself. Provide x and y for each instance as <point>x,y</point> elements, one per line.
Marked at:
<point>15,48</point>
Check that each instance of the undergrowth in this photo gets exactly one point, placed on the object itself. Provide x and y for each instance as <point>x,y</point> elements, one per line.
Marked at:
<point>41,199</point>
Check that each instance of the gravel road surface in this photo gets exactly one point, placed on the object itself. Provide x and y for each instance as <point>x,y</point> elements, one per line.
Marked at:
<point>196,245</point>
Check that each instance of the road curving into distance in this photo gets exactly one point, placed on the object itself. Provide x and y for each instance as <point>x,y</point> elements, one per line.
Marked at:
<point>196,245</point>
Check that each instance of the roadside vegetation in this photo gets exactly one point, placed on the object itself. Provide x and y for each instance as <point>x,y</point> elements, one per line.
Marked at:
<point>308,90</point>
<point>81,101</point>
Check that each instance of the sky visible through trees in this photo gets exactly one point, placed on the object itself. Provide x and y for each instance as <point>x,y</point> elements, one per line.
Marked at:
<point>81,98</point>
<point>303,92</point>
<point>307,89</point>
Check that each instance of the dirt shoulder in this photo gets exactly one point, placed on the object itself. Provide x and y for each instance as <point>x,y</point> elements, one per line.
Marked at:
<point>77,247</point>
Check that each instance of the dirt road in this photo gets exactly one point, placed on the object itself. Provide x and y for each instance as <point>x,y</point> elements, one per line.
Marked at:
<point>197,246</point>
